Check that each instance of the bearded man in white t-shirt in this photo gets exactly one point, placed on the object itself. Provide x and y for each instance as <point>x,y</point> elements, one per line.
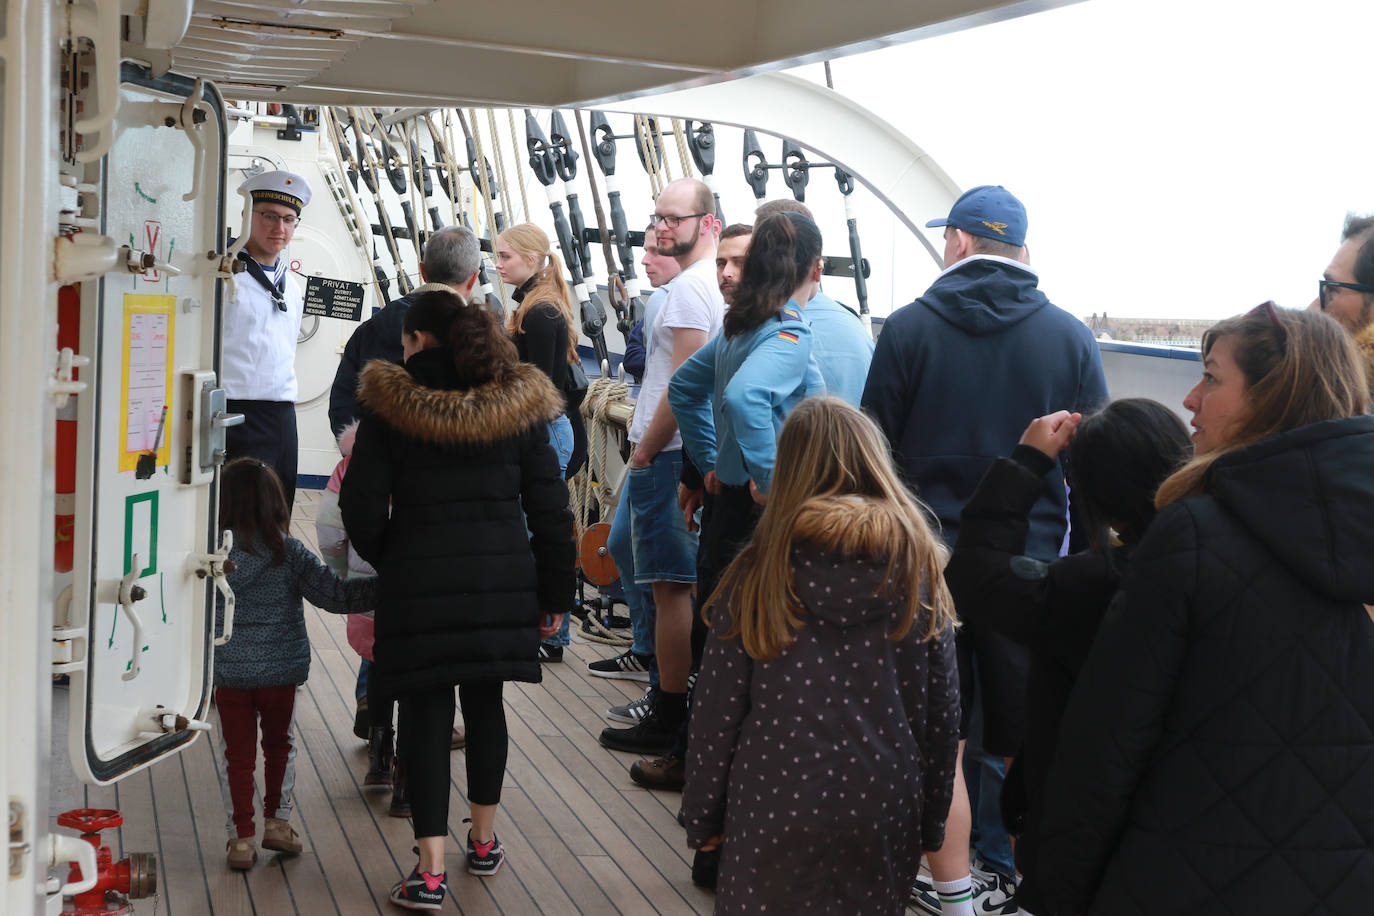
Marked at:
<point>665,552</point>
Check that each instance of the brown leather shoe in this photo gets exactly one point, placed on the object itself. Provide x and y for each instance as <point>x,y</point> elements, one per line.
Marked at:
<point>278,835</point>
<point>459,739</point>
<point>668,772</point>
<point>242,853</point>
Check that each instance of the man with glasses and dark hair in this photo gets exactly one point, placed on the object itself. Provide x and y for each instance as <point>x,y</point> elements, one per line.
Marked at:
<point>262,321</point>
<point>1346,289</point>
<point>664,552</point>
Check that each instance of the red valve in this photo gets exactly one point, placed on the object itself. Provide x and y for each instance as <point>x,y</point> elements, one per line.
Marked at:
<point>135,877</point>
<point>90,820</point>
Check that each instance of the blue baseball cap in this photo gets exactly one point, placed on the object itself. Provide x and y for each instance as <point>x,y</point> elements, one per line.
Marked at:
<point>990,211</point>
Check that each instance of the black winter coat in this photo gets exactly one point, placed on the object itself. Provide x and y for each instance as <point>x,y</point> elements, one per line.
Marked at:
<point>461,584</point>
<point>379,337</point>
<point>1053,608</point>
<point>1217,755</point>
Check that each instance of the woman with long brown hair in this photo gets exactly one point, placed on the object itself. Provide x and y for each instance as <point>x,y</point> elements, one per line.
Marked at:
<point>543,327</point>
<point>826,723</point>
<point>1217,753</point>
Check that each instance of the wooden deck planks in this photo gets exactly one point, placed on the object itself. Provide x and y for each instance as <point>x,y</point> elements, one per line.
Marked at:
<point>580,838</point>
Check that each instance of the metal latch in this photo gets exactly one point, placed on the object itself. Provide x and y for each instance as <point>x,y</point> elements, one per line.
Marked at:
<point>215,419</point>
<point>19,847</point>
<point>129,593</point>
<point>217,565</point>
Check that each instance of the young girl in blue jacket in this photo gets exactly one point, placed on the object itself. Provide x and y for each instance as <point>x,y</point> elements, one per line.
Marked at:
<point>268,654</point>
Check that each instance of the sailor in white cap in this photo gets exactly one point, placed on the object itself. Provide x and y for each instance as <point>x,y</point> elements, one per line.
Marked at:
<point>261,324</point>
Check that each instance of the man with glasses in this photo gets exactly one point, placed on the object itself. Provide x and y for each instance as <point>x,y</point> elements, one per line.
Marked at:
<point>261,323</point>
<point>1346,289</point>
<point>665,553</point>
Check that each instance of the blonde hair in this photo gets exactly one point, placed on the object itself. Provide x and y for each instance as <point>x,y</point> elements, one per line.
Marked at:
<point>1300,368</point>
<point>835,487</point>
<point>528,240</point>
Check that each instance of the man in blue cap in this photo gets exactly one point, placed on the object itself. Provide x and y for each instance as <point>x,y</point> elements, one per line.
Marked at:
<point>956,377</point>
<point>262,322</point>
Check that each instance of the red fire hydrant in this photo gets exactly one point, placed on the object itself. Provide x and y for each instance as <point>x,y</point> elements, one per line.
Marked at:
<point>116,883</point>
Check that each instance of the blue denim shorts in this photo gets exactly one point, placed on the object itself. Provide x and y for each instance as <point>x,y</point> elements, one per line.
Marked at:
<point>665,551</point>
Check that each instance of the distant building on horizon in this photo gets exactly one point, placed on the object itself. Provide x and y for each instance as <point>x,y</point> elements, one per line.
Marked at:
<point>1168,332</point>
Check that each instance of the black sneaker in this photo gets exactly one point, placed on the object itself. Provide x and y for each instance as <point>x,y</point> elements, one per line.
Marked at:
<point>484,859</point>
<point>421,891</point>
<point>655,734</point>
<point>628,665</point>
<point>549,653</point>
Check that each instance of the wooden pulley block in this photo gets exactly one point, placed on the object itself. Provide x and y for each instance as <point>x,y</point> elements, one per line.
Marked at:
<point>594,556</point>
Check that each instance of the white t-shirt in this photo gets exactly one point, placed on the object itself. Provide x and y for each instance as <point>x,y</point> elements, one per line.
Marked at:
<point>693,302</point>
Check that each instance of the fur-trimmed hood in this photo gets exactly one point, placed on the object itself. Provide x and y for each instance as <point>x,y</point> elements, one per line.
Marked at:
<point>843,543</point>
<point>451,416</point>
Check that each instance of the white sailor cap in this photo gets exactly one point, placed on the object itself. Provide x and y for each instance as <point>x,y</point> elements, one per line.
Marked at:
<point>279,187</point>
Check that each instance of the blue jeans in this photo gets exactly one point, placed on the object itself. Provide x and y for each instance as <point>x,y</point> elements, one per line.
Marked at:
<point>638,598</point>
<point>984,774</point>
<point>561,438</point>
<point>665,551</point>
<point>360,688</point>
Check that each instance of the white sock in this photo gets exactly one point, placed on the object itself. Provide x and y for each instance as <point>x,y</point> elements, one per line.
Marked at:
<point>956,897</point>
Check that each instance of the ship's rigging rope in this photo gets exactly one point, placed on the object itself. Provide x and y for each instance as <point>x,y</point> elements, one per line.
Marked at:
<point>482,179</point>
<point>601,394</point>
<point>379,173</point>
<point>417,180</point>
<point>657,143</point>
<point>515,144</point>
<point>646,147</point>
<point>615,283</point>
<point>502,179</point>
<point>680,139</point>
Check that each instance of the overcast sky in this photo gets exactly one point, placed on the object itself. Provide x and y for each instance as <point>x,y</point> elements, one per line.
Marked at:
<point>1184,158</point>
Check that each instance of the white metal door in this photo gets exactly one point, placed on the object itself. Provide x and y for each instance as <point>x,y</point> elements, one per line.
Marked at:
<point>145,530</point>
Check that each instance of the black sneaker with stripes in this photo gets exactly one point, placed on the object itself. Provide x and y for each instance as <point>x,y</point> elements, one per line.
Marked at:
<point>629,666</point>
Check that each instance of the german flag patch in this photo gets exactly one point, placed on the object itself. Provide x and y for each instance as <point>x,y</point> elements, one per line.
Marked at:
<point>789,336</point>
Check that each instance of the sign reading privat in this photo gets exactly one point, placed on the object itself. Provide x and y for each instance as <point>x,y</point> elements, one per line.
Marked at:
<point>340,299</point>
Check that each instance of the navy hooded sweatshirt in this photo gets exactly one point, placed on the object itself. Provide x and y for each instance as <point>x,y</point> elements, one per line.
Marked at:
<point>958,374</point>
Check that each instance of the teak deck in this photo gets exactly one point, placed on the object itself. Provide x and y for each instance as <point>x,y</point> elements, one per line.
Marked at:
<point>579,836</point>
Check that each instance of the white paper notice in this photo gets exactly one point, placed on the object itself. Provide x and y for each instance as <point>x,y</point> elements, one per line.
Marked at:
<point>147,380</point>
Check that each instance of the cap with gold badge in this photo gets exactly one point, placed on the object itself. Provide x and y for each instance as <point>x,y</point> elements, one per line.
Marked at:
<point>279,187</point>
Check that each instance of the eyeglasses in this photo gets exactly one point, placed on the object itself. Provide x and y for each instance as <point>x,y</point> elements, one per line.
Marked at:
<point>1271,310</point>
<point>672,222</point>
<point>290,221</point>
<point>1324,285</point>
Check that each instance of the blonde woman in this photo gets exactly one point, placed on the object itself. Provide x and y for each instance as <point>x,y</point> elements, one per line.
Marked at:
<point>826,723</point>
<point>1217,753</point>
<point>543,326</point>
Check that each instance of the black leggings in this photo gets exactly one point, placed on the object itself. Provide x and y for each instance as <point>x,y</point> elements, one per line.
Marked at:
<point>424,731</point>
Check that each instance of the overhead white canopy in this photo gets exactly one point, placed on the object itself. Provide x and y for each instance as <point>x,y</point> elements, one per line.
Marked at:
<point>534,52</point>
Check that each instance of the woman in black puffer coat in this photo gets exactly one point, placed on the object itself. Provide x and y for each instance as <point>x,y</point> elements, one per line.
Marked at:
<point>1217,753</point>
<point>1116,461</point>
<point>451,448</point>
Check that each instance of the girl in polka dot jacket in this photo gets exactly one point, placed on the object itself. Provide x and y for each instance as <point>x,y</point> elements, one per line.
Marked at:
<point>821,756</point>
